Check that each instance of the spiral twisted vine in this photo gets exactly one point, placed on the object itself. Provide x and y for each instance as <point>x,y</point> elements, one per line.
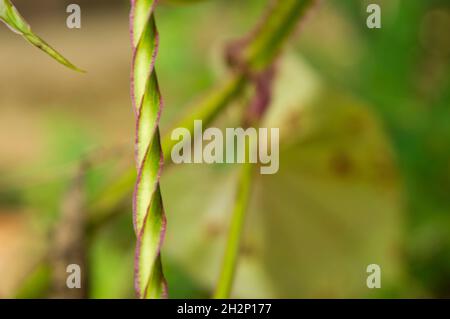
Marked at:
<point>148,212</point>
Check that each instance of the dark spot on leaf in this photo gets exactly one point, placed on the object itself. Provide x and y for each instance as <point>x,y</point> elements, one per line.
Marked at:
<point>341,164</point>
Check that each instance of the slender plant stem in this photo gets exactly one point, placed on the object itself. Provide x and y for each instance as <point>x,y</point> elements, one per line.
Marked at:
<point>148,212</point>
<point>257,57</point>
<point>270,37</point>
<point>233,246</point>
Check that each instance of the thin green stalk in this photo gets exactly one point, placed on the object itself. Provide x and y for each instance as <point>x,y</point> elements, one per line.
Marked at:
<point>148,212</point>
<point>233,246</point>
<point>257,57</point>
<point>273,33</point>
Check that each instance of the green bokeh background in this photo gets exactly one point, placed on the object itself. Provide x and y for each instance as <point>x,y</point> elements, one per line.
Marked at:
<point>364,163</point>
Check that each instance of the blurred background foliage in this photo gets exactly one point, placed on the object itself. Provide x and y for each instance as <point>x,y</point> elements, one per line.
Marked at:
<point>364,164</point>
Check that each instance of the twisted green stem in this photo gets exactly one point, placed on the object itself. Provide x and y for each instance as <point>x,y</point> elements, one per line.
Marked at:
<point>148,212</point>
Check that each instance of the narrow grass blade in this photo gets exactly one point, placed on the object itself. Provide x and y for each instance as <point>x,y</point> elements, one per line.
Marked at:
<point>12,18</point>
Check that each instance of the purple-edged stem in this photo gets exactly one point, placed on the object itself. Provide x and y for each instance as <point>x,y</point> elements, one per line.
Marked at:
<point>148,211</point>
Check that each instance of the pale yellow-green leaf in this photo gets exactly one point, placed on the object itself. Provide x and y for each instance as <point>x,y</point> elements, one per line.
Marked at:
<point>332,209</point>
